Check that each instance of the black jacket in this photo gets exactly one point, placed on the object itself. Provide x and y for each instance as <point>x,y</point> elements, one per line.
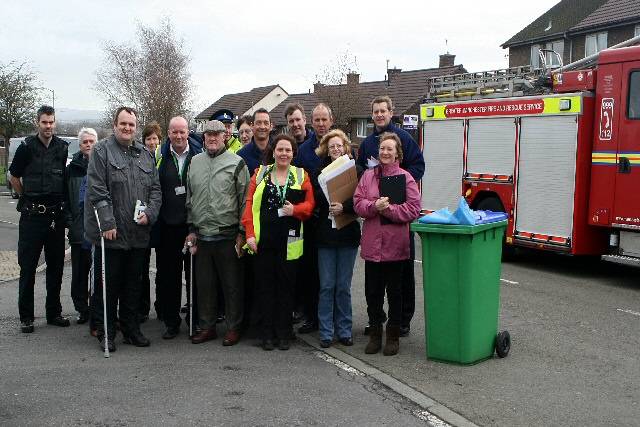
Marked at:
<point>173,210</point>
<point>326,236</point>
<point>75,173</point>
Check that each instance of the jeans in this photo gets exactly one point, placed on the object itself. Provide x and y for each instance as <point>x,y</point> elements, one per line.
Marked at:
<point>334,307</point>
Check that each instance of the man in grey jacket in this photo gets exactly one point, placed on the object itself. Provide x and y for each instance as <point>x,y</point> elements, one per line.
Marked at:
<point>121,174</point>
<point>217,184</point>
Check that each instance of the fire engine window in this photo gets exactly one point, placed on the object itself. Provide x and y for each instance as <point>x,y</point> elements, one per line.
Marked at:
<point>633,106</point>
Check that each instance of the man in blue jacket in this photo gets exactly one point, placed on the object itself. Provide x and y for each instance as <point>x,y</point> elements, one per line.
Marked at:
<point>321,121</point>
<point>308,284</point>
<point>253,152</point>
<point>412,162</point>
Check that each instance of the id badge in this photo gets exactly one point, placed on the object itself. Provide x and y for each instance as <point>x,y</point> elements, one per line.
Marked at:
<point>180,190</point>
<point>293,233</point>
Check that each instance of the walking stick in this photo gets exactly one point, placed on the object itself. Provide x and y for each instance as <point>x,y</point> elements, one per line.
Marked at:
<point>104,288</point>
<point>186,248</point>
<point>191,293</point>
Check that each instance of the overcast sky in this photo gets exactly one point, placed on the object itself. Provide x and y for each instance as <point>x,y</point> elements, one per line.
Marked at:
<point>246,44</point>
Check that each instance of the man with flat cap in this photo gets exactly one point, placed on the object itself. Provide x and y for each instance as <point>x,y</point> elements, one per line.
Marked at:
<point>217,183</point>
<point>226,117</point>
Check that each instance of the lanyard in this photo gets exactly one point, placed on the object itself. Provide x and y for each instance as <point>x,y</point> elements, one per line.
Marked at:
<point>175,161</point>
<point>282,190</point>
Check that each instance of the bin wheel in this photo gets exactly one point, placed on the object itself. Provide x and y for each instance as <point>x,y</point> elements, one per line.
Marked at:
<point>503,344</point>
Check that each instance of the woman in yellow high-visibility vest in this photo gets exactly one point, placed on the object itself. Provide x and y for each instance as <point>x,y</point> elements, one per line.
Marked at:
<point>280,197</point>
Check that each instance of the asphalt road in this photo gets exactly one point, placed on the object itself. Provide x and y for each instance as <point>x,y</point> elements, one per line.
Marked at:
<point>575,356</point>
<point>575,360</point>
<point>8,223</point>
<point>58,376</point>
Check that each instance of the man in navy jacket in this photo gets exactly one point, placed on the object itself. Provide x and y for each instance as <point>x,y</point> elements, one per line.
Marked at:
<point>308,284</point>
<point>253,152</point>
<point>412,162</point>
<point>321,121</point>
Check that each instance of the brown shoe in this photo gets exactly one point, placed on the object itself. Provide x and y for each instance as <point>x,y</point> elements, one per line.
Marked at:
<point>375,340</point>
<point>231,337</point>
<point>392,345</point>
<point>204,335</point>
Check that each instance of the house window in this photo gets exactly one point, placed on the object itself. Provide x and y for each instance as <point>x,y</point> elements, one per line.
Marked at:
<point>594,43</point>
<point>558,47</point>
<point>551,59</point>
<point>633,104</point>
<point>535,59</point>
<point>362,128</point>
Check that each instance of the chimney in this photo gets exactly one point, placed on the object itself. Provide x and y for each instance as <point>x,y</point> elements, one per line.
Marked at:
<point>447,60</point>
<point>317,86</point>
<point>353,79</point>
<point>392,73</point>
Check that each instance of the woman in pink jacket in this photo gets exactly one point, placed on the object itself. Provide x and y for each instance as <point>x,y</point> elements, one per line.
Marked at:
<point>385,241</point>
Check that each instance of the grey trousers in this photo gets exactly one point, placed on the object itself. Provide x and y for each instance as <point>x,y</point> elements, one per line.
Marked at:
<point>218,265</point>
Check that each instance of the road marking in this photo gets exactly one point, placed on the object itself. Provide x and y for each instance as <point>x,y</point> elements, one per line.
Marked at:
<point>430,418</point>
<point>422,414</point>
<point>338,363</point>
<point>511,282</point>
<point>635,313</point>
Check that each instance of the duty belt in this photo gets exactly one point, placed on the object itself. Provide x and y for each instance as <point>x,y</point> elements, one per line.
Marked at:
<point>42,209</point>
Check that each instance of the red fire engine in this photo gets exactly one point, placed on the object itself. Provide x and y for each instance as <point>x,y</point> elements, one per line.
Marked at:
<point>563,160</point>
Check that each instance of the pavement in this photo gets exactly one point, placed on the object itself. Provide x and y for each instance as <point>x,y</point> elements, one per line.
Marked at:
<point>575,360</point>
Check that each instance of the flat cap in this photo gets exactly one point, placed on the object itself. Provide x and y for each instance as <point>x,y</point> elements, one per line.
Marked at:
<point>213,126</point>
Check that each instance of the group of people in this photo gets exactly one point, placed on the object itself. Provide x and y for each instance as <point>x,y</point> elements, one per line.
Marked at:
<point>243,220</point>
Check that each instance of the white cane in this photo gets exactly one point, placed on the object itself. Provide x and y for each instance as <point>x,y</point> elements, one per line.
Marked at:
<point>104,288</point>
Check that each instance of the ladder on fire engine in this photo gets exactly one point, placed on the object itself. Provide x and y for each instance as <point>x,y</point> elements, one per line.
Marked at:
<point>502,83</point>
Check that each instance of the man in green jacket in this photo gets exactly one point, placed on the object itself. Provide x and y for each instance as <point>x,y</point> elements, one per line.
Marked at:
<point>217,183</point>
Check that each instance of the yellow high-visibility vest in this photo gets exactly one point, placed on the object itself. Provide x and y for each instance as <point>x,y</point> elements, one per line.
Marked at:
<point>294,244</point>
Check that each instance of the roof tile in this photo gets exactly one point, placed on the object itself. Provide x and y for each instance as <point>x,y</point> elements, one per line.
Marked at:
<point>237,102</point>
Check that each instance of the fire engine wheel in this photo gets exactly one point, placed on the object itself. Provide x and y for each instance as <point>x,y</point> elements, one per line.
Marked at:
<point>503,344</point>
<point>490,204</point>
<point>494,204</point>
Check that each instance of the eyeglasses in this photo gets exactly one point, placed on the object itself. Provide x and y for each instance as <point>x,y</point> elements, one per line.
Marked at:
<point>336,147</point>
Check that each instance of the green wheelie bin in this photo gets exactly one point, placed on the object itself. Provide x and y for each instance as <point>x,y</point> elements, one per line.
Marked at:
<point>461,280</point>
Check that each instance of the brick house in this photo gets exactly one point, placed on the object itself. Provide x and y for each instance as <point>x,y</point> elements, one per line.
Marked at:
<point>350,102</point>
<point>575,29</point>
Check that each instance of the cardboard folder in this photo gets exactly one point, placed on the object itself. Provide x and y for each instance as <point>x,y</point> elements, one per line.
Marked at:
<point>340,189</point>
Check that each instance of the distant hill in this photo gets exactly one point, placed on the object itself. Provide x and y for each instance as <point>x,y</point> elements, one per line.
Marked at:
<point>76,115</point>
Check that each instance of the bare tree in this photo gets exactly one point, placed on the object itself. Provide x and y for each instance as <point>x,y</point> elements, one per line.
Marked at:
<point>151,75</point>
<point>335,87</point>
<point>19,96</point>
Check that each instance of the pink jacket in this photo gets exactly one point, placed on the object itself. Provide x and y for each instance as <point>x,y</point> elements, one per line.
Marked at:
<point>388,242</point>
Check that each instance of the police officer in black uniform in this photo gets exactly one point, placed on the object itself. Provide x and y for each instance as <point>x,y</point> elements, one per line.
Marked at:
<point>40,162</point>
